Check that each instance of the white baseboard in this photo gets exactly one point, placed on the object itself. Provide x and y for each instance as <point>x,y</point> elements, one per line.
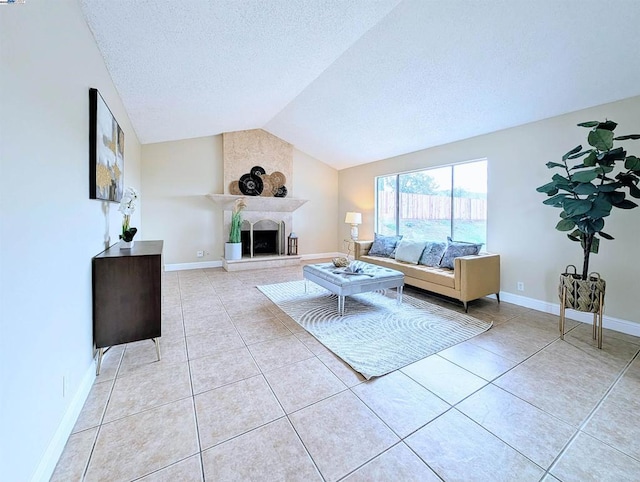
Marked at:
<point>218,264</point>
<point>47,464</point>
<point>196,265</point>
<point>321,255</point>
<point>616,324</point>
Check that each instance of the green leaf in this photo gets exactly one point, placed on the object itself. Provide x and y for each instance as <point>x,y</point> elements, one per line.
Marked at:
<point>607,125</point>
<point>574,207</point>
<point>614,197</point>
<point>585,189</point>
<point>627,178</point>
<point>632,163</point>
<point>601,139</point>
<point>591,159</point>
<point>585,176</point>
<point>597,225</point>
<point>550,188</point>
<point>600,208</point>
<point>588,124</point>
<point>625,138</point>
<point>575,235</point>
<point>634,191</point>
<point>595,244</point>
<point>606,236</point>
<point>560,180</point>
<point>555,200</point>
<point>609,187</point>
<point>609,158</point>
<point>579,154</point>
<point>554,164</point>
<point>603,169</point>
<point>571,152</point>
<point>626,204</point>
<point>565,225</point>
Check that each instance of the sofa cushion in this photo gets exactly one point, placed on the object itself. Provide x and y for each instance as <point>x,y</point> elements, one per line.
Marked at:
<point>409,251</point>
<point>432,254</point>
<point>439,276</point>
<point>455,249</point>
<point>384,246</point>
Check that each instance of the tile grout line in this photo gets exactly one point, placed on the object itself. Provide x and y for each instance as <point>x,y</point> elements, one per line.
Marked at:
<point>285,415</point>
<point>589,417</point>
<point>193,396</point>
<point>104,413</point>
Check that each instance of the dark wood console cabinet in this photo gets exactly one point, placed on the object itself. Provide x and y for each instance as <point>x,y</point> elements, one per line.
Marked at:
<point>127,296</point>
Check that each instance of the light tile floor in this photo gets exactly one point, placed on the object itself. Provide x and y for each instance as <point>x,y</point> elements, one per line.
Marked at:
<point>244,393</point>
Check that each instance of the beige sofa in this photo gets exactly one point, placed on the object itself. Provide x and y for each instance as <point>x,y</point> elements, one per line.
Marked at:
<point>472,277</point>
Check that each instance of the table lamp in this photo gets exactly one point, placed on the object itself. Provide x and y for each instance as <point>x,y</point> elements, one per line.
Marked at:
<point>353,219</point>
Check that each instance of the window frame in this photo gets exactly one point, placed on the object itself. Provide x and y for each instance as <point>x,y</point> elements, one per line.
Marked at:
<point>397,193</point>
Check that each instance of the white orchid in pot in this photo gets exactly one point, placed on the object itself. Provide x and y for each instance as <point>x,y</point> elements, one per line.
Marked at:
<point>127,208</point>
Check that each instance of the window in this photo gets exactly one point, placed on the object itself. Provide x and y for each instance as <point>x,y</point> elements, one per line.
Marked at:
<point>435,203</point>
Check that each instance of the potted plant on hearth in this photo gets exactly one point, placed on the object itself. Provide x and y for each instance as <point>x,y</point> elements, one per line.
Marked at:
<point>233,249</point>
<point>590,184</point>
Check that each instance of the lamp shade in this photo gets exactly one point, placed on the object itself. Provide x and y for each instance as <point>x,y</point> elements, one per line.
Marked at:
<point>353,218</point>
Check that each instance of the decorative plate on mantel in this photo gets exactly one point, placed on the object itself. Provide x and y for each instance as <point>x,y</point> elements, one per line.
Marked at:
<point>278,179</point>
<point>234,188</point>
<point>251,185</point>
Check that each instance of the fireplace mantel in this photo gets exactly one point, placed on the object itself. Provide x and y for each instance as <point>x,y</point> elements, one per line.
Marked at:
<point>258,203</point>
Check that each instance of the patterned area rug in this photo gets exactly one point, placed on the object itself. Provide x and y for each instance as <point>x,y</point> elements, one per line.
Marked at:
<point>376,335</point>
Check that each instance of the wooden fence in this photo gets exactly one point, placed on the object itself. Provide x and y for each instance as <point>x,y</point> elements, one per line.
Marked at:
<point>422,206</point>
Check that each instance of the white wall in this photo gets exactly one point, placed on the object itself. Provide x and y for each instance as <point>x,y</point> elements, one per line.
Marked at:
<point>520,227</point>
<point>177,175</point>
<point>315,222</point>
<point>50,228</point>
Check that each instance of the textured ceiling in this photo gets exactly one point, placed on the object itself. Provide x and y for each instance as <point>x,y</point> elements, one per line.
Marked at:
<point>354,81</point>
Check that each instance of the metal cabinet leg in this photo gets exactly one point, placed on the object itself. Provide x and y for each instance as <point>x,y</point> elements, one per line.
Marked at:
<point>157,343</point>
<point>100,354</point>
<point>399,294</point>
<point>562,312</point>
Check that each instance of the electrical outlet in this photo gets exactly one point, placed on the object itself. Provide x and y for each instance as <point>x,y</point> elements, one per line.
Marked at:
<point>200,254</point>
<point>520,286</point>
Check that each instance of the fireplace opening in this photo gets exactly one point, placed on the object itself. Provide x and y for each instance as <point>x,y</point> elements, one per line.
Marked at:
<point>264,242</point>
<point>265,237</point>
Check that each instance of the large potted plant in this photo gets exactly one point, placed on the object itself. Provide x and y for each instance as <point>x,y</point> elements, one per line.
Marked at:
<point>590,184</point>
<point>233,249</point>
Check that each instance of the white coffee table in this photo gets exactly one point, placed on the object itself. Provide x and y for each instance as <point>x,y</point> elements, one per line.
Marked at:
<point>342,284</point>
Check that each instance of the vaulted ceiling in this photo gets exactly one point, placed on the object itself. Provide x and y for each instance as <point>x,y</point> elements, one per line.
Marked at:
<point>354,81</point>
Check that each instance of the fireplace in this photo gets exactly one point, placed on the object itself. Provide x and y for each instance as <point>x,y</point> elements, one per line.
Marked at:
<point>262,238</point>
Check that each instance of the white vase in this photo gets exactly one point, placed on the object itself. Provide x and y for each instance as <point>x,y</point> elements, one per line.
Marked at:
<point>232,251</point>
<point>126,245</point>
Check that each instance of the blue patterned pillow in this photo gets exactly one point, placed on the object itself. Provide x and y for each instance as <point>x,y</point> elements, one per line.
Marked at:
<point>384,246</point>
<point>455,249</point>
<point>432,253</point>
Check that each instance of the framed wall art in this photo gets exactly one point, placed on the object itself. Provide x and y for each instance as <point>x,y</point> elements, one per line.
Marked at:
<point>106,151</point>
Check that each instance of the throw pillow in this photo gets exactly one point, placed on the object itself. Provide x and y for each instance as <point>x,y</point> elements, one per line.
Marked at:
<point>409,251</point>
<point>383,246</point>
<point>432,254</point>
<point>455,249</point>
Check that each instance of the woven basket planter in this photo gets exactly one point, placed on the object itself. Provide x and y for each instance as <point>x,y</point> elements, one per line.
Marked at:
<point>581,295</point>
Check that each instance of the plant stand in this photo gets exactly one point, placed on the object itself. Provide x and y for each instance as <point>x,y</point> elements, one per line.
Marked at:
<point>586,296</point>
